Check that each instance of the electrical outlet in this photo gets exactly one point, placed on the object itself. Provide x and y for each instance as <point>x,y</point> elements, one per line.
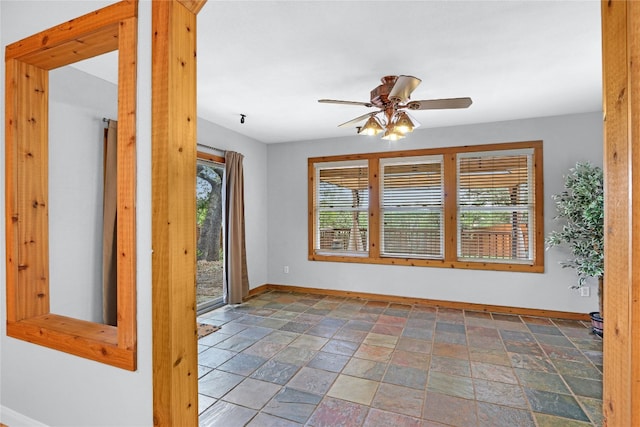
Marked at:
<point>584,291</point>
<point>286,269</point>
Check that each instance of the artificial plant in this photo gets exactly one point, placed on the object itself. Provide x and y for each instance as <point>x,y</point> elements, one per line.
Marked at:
<point>580,210</point>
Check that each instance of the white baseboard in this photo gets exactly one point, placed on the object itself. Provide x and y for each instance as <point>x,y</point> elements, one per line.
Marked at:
<point>11,418</point>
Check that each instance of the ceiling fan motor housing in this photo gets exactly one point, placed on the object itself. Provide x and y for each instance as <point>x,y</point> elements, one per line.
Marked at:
<point>380,95</point>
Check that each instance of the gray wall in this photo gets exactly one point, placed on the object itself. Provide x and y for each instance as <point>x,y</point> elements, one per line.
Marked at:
<point>567,139</point>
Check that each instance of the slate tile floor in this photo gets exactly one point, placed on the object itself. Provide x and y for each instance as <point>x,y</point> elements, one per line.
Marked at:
<point>291,359</point>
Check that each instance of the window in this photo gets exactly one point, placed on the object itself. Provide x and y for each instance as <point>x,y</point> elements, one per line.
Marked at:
<point>412,207</point>
<point>495,206</point>
<point>341,208</point>
<point>456,207</point>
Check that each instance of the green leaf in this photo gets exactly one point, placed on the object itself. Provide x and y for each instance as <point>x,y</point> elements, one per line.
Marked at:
<point>580,212</point>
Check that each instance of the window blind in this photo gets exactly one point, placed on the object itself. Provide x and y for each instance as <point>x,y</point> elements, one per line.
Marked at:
<point>342,206</point>
<point>412,207</point>
<point>495,206</point>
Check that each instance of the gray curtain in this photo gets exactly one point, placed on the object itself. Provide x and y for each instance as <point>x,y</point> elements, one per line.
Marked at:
<point>109,232</point>
<point>235,248</point>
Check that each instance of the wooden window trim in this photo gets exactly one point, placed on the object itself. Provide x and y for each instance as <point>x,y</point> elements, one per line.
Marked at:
<point>450,209</point>
<point>28,62</point>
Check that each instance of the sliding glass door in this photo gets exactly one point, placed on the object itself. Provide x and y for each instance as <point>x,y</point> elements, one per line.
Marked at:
<point>210,274</point>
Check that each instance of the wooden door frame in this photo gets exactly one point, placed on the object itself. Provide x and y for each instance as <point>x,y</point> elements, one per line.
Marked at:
<point>173,173</point>
<point>621,106</point>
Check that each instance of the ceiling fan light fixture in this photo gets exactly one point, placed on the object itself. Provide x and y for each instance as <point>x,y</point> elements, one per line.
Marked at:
<point>391,134</point>
<point>403,123</point>
<point>372,127</point>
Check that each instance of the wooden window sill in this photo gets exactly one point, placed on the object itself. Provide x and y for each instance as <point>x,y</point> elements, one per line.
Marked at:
<point>471,265</point>
<point>91,340</point>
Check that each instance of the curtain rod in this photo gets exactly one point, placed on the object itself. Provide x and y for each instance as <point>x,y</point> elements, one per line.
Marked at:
<point>211,147</point>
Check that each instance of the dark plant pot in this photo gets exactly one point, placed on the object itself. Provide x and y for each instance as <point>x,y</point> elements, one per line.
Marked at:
<point>597,323</point>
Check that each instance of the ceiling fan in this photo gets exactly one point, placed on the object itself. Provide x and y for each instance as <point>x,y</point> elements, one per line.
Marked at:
<point>392,98</point>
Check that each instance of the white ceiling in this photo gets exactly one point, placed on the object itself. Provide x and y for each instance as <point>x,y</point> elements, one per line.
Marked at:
<point>272,61</point>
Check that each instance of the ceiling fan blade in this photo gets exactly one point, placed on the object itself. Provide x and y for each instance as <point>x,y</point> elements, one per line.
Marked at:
<point>403,87</point>
<point>439,104</point>
<point>357,119</point>
<point>335,101</point>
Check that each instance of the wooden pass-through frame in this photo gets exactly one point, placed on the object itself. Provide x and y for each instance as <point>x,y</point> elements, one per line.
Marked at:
<point>28,62</point>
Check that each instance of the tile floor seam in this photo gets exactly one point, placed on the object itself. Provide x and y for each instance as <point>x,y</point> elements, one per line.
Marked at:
<point>528,403</point>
